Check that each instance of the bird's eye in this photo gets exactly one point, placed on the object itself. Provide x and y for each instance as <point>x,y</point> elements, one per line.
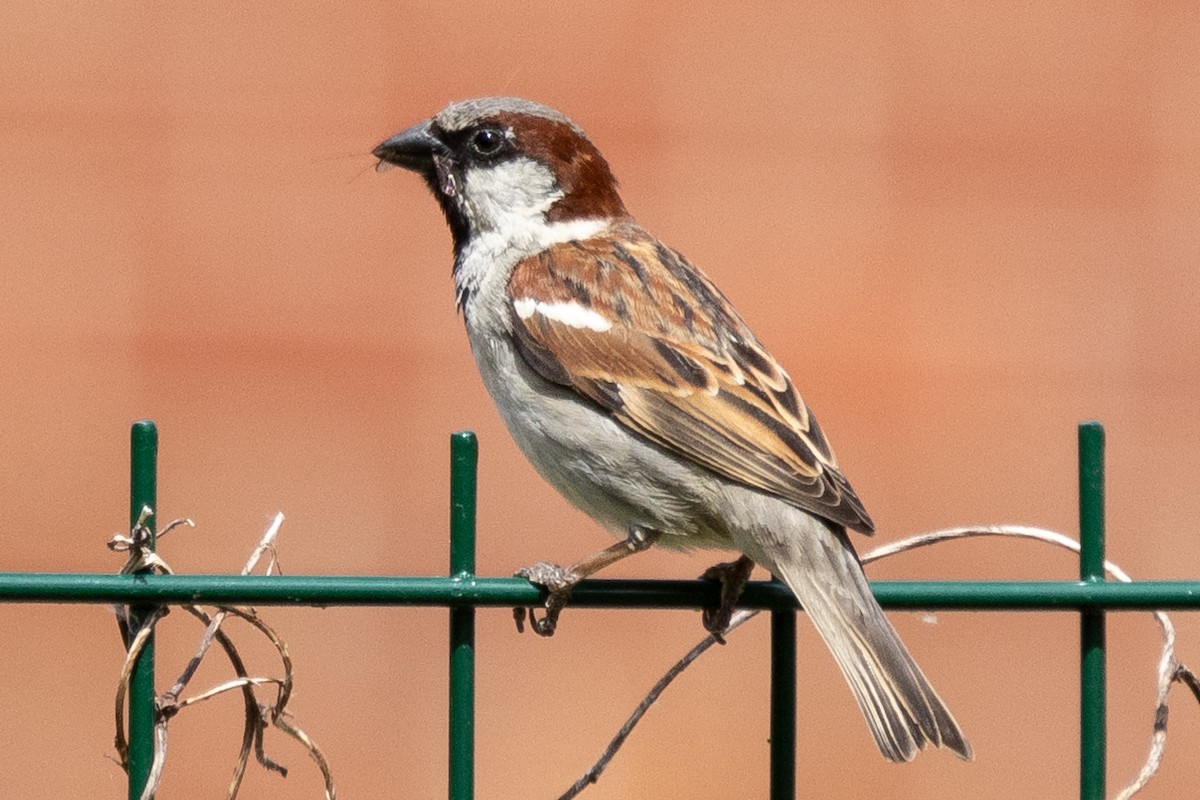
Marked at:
<point>487,141</point>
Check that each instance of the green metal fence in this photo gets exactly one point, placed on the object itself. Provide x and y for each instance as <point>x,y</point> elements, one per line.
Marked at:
<point>462,591</point>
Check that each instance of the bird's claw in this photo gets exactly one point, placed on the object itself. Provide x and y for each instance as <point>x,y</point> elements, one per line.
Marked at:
<point>732,576</point>
<point>558,582</point>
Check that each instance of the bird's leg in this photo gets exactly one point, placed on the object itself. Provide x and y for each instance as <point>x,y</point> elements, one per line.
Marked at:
<point>733,576</point>
<point>559,581</point>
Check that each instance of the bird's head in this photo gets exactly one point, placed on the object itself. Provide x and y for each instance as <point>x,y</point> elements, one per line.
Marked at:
<point>506,165</point>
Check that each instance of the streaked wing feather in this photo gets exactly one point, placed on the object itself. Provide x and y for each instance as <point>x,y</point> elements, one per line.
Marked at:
<point>695,381</point>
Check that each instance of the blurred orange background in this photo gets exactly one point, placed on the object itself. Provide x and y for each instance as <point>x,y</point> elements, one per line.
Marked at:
<point>963,230</point>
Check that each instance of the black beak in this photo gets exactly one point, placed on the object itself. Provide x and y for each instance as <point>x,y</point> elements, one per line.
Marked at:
<point>412,149</point>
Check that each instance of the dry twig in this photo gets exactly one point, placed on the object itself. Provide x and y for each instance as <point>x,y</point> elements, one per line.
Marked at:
<point>593,773</point>
<point>1170,670</point>
<point>257,716</point>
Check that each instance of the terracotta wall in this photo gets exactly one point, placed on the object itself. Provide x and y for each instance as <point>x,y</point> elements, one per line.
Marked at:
<point>963,230</point>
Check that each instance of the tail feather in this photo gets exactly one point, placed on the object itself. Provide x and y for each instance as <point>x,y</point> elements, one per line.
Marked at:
<point>901,708</point>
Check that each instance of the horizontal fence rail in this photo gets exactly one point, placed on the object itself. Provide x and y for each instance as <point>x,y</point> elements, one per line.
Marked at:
<point>338,590</point>
<point>461,591</point>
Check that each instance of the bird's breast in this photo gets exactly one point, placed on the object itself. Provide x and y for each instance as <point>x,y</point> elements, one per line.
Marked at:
<point>601,467</point>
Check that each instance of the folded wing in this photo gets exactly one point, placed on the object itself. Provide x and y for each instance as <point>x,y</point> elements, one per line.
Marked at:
<point>589,315</point>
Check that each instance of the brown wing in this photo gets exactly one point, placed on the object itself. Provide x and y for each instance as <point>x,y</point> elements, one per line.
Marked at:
<point>631,325</point>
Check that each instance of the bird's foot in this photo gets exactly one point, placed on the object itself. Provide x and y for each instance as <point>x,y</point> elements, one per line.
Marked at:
<point>733,576</point>
<point>558,582</point>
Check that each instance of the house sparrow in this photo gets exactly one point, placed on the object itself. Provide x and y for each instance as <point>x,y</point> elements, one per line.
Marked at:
<point>637,391</point>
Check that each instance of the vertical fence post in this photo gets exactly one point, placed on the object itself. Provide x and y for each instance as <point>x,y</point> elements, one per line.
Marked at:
<point>143,492</point>
<point>464,457</point>
<point>1092,711</point>
<point>783,705</point>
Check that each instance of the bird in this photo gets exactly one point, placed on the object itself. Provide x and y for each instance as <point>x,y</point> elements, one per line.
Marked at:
<point>635,388</point>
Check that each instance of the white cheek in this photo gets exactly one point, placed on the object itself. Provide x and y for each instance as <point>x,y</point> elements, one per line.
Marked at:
<point>510,195</point>
<point>569,313</point>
